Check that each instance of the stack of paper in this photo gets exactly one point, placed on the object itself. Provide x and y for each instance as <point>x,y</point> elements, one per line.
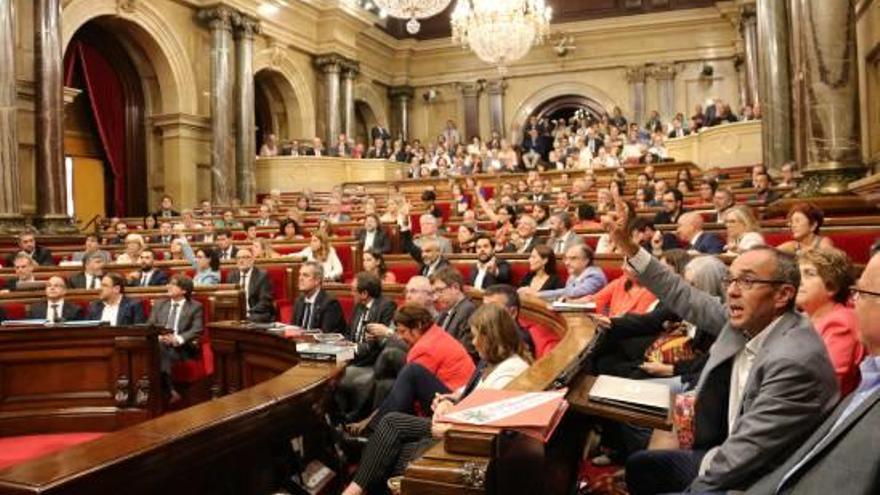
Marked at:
<point>635,395</point>
<point>338,352</point>
<point>573,306</point>
<point>536,414</point>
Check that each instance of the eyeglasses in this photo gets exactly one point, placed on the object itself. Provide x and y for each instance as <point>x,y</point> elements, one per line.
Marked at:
<point>858,293</point>
<point>747,283</point>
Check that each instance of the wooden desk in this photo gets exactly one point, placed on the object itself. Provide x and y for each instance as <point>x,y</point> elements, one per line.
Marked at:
<point>233,444</point>
<point>296,173</point>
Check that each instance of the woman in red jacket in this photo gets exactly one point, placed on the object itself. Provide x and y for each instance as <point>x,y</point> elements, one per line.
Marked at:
<point>823,293</point>
<point>436,363</point>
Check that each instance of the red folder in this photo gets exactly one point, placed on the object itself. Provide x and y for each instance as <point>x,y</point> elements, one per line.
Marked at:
<point>538,421</point>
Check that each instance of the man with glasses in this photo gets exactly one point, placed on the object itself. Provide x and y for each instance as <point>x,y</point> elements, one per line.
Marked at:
<point>454,306</point>
<point>583,277</point>
<point>54,309</point>
<point>255,283</point>
<point>93,270</point>
<point>673,208</point>
<point>767,383</point>
<point>842,453</point>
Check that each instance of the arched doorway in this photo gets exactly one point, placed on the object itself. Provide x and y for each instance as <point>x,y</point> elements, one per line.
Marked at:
<point>566,106</point>
<point>276,107</point>
<point>364,120</point>
<point>105,126</point>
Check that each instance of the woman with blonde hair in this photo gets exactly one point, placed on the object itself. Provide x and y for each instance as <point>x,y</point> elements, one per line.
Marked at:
<point>400,438</point>
<point>134,245</point>
<point>263,249</point>
<point>743,230</point>
<point>321,251</point>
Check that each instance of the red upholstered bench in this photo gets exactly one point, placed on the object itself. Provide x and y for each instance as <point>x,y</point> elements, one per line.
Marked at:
<point>201,367</point>
<point>347,303</point>
<point>545,340</point>
<point>15,450</point>
<point>404,271</point>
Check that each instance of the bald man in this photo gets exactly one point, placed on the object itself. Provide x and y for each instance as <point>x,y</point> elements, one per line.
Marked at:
<point>843,452</point>
<point>54,309</point>
<point>690,231</point>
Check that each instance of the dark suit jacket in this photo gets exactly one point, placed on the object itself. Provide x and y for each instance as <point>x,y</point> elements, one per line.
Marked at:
<point>410,247</point>
<point>534,241</point>
<point>233,252</point>
<point>336,151</point>
<point>41,255</point>
<point>131,312</point>
<point>158,278</point>
<point>847,460</point>
<point>381,311</point>
<point>380,133</point>
<point>259,295</point>
<point>552,283</point>
<point>70,311</point>
<point>190,324</point>
<point>503,276</point>
<point>459,326</point>
<point>684,132</point>
<point>327,313</point>
<point>380,241</point>
<point>173,213</point>
<point>709,243</point>
<point>666,218</point>
<point>78,281</point>
<point>791,386</point>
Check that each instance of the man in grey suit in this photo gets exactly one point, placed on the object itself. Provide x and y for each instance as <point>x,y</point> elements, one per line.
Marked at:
<point>183,321</point>
<point>92,246</point>
<point>767,384</point>
<point>842,454</point>
<point>562,237</point>
<point>454,306</point>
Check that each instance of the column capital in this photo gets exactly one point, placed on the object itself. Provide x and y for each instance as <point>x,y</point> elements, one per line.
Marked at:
<point>246,26</point>
<point>470,89</point>
<point>636,74</point>
<point>401,92</point>
<point>350,69</point>
<point>331,62</point>
<point>663,71</point>
<point>496,86</point>
<point>218,17</point>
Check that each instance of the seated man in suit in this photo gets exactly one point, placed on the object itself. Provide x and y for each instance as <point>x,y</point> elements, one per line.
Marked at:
<point>429,225</point>
<point>428,255</point>
<point>562,236</point>
<point>27,243</point>
<point>93,270</point>
<point>372,236</point>
<point>166,208</point>
<point>842,452</point>
<point>723,199</point>
<point>315,308</point>
<point>690,231</point>
<point>763,191</point>
<point>148,275</point>
<point>183,322</point>
<point>265,217</point>
<point>24,270</point>
<point>525,239</point>
<point>91,246</point>
<point>767,383</point>
<point>259,303</point>
<point>654,241</point>
<point>673,208</point>
<point>584,278</point>
<point>113,307</point>
<point>53,309</point>
<point>166,233</point>
<point>489,269</point>
<point>454,306</point>
<point>355,389</point>
<point>225,247</point>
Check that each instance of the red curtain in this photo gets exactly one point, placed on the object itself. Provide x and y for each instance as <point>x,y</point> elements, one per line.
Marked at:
<point>107,99</point>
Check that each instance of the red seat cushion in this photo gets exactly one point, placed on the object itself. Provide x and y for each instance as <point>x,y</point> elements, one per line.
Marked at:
<point>15,310</point>
<point>347,260</point>
<point>14,450</point>
<point>518,271</point>
<point>545,340</point>
<point>197,369</point>
<point>347,303</point>
<point>404,271</point>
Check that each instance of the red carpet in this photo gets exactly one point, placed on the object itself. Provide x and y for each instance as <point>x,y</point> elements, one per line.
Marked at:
<point>14,450</point>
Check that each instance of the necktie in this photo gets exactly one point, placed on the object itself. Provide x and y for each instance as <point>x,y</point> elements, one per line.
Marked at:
<point>307,317</point>
<point>94,284</point>
<point>145,277</point>
<point>244,287</point>
<point>359,333</point>
<point>172,317</point>
<point>558,246</point>
<point>56,314</point>
<point>447,320</point>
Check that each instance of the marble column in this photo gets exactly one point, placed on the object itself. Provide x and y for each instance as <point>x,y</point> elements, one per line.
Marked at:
<point>665,76</point>
<point>774,83</point>
<point>10,183</point>
<point>826,44</point>
<point>245,128</point>
<point>749,31</point>
<point>331,67</point>
<point>350,71</point>
<point>400,97</point>
<point>470,93</point>
<point>635,76</point>
<point>49,136</point>
<point>220,19</point>
<point>495,89</point>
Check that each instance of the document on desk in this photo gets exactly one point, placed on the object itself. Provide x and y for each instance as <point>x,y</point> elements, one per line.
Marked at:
<point>535,414</point>
<point>572,306</point>
<point>635,395</point>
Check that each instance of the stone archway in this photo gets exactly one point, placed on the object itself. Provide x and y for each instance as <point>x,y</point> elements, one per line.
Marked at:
<point>169,86</point>
<point>557,92</point>
<point>292,87</point>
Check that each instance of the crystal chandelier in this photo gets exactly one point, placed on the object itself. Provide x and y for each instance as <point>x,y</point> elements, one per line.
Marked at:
<point>412,10</point>
<point>500,31</point>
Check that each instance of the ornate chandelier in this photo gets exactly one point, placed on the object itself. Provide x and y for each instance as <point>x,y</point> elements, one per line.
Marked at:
<point>412,10</point>
<point>500,31</point>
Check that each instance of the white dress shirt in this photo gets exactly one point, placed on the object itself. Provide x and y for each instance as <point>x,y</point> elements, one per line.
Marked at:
<point>110,313</point>
<point>369,239</point>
